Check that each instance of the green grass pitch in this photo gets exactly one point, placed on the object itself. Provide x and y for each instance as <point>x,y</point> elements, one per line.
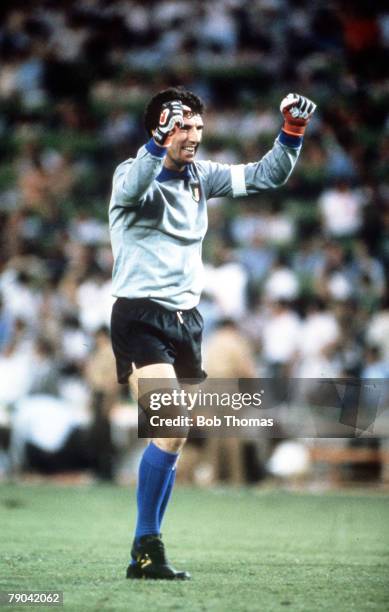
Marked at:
<point>247,549</point>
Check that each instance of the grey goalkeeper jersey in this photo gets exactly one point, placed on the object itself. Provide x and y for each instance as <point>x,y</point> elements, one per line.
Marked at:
<point>158,218</point>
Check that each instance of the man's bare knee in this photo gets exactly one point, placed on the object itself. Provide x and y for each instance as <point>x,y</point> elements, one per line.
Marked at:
<point>163,373</point>
<point>157,371</point>
<point>170,445</point>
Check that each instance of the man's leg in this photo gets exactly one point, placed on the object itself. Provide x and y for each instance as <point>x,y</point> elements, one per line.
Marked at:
<point>167,496</point>
<point>155,483</point>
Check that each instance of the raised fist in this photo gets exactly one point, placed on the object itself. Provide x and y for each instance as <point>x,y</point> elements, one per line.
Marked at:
<point>171,115</point>
<point>297,111</point>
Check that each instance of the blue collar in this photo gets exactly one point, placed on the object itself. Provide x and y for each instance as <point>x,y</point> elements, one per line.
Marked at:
<point>169,175</point>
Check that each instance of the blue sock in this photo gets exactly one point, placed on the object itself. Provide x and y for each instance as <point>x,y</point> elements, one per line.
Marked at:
<point>155,474</point>
<point>168,493</point>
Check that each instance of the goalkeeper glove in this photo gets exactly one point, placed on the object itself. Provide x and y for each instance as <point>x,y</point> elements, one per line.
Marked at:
<point>171,115</point>
<point>297,111</point>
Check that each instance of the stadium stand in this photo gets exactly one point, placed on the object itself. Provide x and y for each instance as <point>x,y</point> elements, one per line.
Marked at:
<point>312,257</point>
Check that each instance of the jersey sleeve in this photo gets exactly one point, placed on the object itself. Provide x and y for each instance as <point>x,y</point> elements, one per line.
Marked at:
<point>133,177</point>
<point>238,180</point>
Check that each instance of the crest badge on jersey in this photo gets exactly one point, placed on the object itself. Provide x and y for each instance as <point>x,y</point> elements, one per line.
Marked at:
<point>195,191</point>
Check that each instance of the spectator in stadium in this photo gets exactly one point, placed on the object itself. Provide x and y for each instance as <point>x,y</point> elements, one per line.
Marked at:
<point>48,435</point>
<point>6,326</point>
<point>341,209</point>
<point>280,338</point>
<point>15,364</point>
<point>100,374</point>
<point>218,279</point>
<point>158,220</point>
<point>230,355</point>
<point>376,367</point>
<point>257,257</point>
<point>378,328</point>
<point>282,282</point>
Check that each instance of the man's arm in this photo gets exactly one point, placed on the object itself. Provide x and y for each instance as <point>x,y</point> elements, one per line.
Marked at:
<point>274,169</point>
<point>133,177</point>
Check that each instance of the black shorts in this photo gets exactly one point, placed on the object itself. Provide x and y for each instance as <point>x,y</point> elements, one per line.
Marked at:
<point>144,332</point>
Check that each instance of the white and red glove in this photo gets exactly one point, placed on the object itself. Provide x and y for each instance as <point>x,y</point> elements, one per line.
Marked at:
<point>297,111</point>
<point>172,114</point>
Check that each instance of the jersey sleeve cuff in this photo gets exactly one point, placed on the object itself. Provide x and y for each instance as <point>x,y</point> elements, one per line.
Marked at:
<point>154,149</point>
<point>290,141</point>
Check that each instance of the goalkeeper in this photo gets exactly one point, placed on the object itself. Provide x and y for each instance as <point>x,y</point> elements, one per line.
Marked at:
<point>158,219</point>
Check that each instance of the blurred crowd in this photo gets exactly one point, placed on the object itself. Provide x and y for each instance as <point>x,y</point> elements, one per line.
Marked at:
<point>301,271</point>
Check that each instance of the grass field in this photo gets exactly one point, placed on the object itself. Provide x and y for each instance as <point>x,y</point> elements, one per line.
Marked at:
<point>248,550</point>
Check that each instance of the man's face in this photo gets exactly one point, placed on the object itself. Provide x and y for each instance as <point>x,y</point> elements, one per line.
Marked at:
<point>185,141</point>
